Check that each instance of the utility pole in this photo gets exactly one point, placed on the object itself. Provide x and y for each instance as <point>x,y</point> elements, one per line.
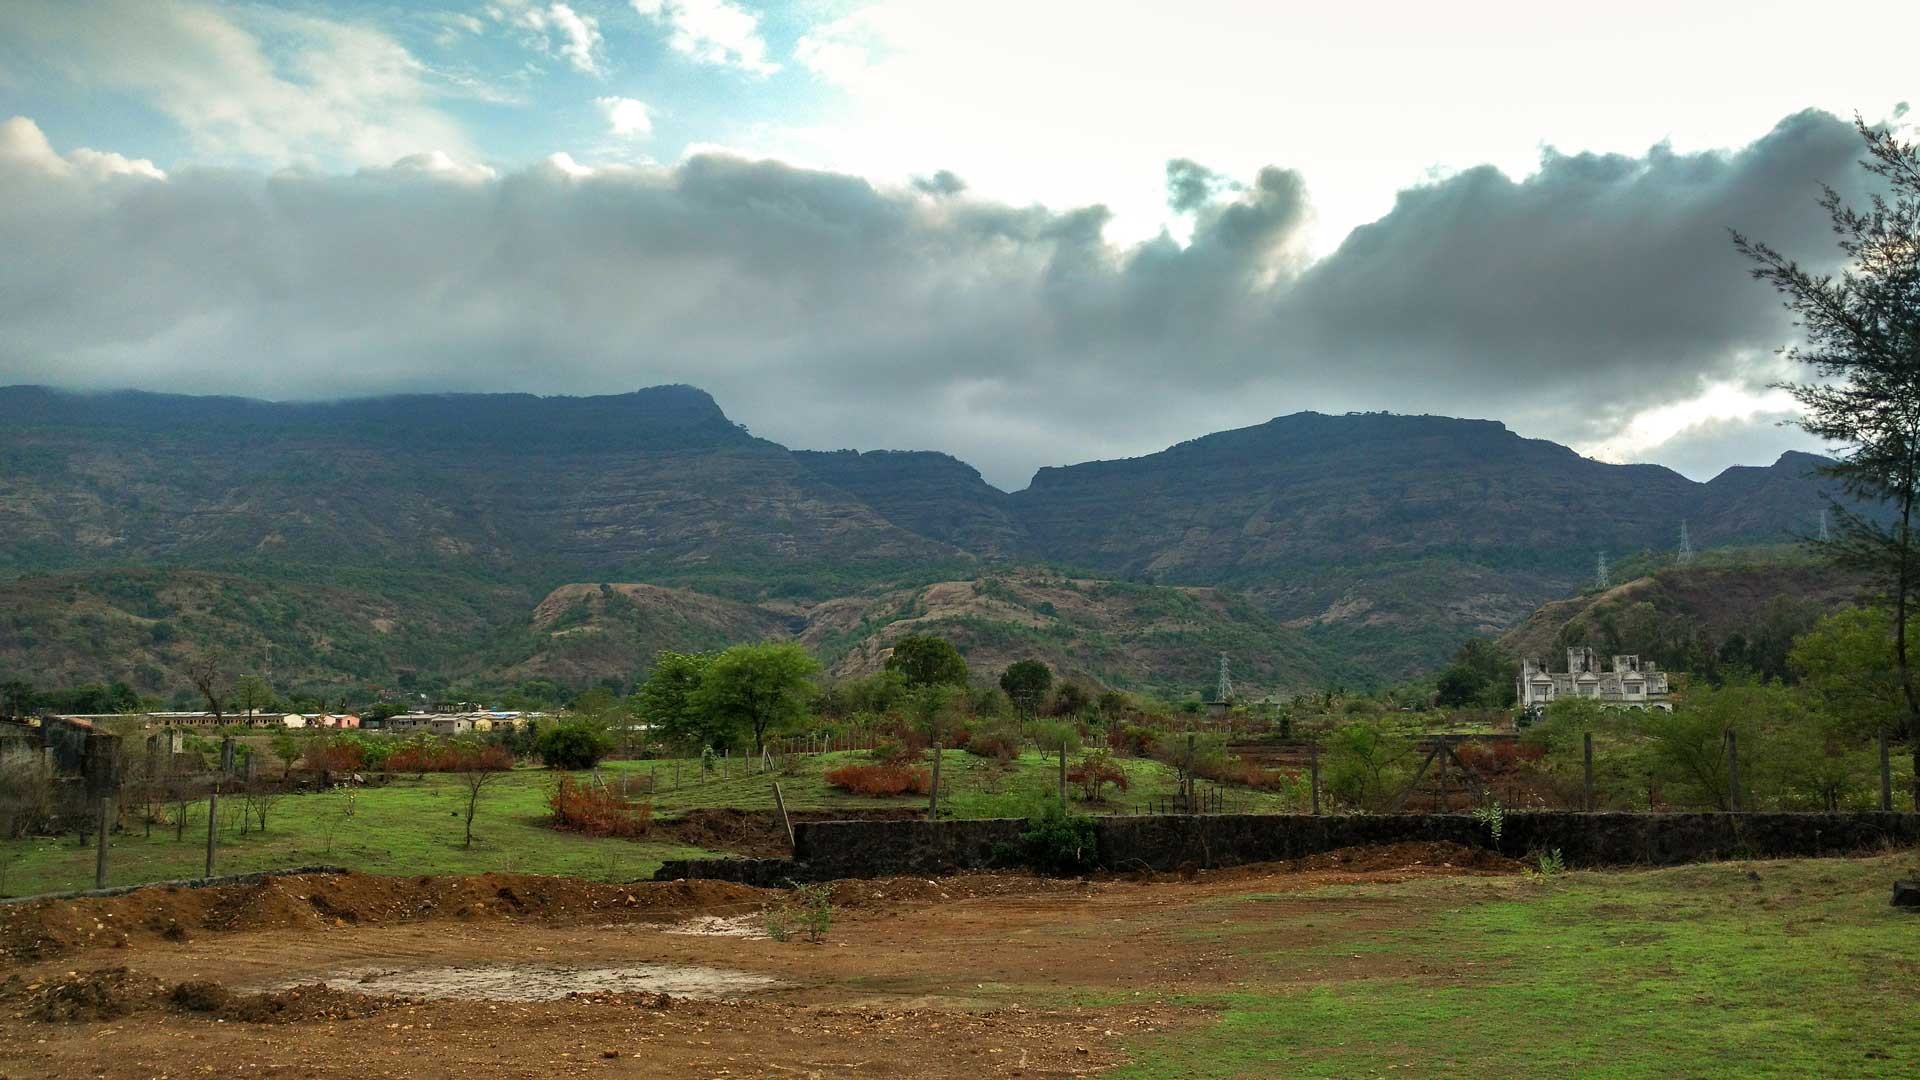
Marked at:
<point>1685,555</point>
<point>1600,575</point>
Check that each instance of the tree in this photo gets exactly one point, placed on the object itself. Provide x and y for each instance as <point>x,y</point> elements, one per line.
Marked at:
<point>1482,673</point>
<point>207,671</point>
<point>926,660</point>
<point>666,700</point>
<point>575,744</point>
<point>1846,662</point>
<point>1861,330</point>
<point>477,767</point>
<point>289,748</point>
<point>16,698</point>
<point>251,692</point>
<point>758,688</point>
<point>1027,683</point>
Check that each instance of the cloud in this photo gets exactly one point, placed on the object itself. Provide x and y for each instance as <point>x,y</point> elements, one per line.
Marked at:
<point>712,31</point>
<point>1191,185</point>
<point>940,184</point>
<point>823,310</point>
<point>627,117</point>
<point>554,28</point>
<point>326,94</point>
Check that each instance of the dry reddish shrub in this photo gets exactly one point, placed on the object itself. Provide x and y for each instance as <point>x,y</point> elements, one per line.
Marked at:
<point>597,812</point>
<point>880,780</point>
<point>334,756</point>
<point>449,757</point>
<point>1498,758</point>
<point>1095,771</point>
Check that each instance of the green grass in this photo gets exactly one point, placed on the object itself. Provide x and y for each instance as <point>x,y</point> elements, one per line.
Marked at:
<point>406,827</point>
<point>970,786</point>
<point>411,826</point>
<point>1696,972</point>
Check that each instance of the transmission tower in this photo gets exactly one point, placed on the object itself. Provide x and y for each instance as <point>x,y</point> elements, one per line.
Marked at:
<point>1600,573</point>
<point>1225,689</point>
<point>1685,554</point>
<point>1824,535</point>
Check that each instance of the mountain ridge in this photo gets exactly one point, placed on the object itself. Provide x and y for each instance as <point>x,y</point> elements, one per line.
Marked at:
<point>1383,537</point>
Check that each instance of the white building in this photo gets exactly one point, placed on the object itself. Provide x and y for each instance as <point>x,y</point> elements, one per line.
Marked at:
<point>1631,683</point>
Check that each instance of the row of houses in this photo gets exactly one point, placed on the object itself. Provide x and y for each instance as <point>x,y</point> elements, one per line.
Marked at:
<point>462,723</point>
<point>435,723</point>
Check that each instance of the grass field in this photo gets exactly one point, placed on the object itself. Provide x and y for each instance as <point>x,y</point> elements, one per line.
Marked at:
<point>413,826</point>
<point>1787,969</point>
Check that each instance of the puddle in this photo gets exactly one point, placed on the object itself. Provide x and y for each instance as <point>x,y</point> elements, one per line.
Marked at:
<point>737,926</point>
<point>515,982</point>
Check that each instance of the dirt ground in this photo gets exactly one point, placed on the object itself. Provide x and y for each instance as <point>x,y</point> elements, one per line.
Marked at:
<point>499,975</point>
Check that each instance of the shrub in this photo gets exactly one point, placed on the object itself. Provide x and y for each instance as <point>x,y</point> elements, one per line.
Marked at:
<point>880,780</point>
<point>1501,758</point>
<point>596,811</point>
<point>446,756</point>
<point>1000,744</point>
<point>573,745</point>
<point>1056,842</point>
<point>896,751</point>
<point>334,755</point>
<point>808,909</point>
<point>1094,772</point>
<point>1133,740</point>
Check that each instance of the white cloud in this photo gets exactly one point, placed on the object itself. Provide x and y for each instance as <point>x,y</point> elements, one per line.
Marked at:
<point>712,31</point>
<point>326,93</point>
<point>627,118</point>
<point>555,27</point>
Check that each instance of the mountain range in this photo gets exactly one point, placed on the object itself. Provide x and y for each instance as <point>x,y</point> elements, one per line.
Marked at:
<point>428,539</point>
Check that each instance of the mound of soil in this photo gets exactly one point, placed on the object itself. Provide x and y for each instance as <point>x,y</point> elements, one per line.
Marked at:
<point>322,901</point>
<point>78,998</point>
<point>299,1003</point>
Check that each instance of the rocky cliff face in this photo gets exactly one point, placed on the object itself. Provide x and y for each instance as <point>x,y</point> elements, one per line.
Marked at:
<point>1382,539</point>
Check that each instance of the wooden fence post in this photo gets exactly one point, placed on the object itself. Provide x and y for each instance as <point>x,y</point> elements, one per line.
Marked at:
<point>1587,749</point>
<point>933,791</point>
<point>1733,771</point>
<point>213,827</point>
<point>1313,750</point>
<point>1886,774</point>
<point>781,802</point>
<point>100,852</point>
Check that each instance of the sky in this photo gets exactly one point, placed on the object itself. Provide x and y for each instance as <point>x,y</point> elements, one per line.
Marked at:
<point>1026,234</point>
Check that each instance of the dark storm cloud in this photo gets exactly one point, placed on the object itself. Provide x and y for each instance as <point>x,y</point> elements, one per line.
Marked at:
<point>940,184</point>
<point>824,311</point>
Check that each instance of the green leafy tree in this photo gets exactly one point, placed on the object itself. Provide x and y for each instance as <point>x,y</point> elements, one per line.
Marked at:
<point>250,694</point>
<point>289,748</point>
<point>1482,674</point>
<point>1846,662</point>
<point>926,660</point>
<point>666,701</point>
<point>575,744</point>
<point>1027,683</point>
<point>758,689</point>
<point>1861,329</point>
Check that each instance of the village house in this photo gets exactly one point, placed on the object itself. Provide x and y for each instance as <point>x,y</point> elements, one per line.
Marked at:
<point>1630,683</point>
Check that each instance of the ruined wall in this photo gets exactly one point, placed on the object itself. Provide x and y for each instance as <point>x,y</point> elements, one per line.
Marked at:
<point>837,849</point>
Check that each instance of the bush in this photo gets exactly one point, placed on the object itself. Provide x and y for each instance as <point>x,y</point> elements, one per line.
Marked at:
<point>334,755</point>
<point>1502,758</point>
<point>880,780</point>
<point>448,756</point>
<point>1094,772</point>
<point>1001,744</point>
<point>897,751</point>
<point>1056,842</point>
<point>1133,740</point>
<point>573,745</point>
<point>596,811</point>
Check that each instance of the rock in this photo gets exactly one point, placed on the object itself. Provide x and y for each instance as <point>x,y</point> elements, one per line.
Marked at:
<point>1906,894</point>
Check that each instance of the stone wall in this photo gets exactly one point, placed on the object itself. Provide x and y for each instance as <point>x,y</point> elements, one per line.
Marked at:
<point>840,849</point>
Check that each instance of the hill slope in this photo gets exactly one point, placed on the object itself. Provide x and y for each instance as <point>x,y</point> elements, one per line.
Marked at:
<point>1379,539</point>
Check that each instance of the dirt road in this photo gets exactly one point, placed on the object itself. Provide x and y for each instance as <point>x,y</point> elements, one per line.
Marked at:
<point>979,975</point>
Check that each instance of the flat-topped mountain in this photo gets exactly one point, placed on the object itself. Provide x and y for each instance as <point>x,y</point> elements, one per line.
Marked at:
<point>1383,539</point>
